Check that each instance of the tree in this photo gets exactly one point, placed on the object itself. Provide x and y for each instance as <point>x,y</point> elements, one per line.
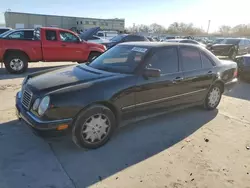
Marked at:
<point>183,28</point>
<point>224,29</point>
<point>156,28</point>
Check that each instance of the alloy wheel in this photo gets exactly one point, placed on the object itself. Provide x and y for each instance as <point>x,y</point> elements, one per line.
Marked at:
<point>95,128</point>
<point>214,97</point>
<point>16,64</point>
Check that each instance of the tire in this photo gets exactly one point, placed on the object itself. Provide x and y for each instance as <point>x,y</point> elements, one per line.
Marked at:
<point>88,128</point>
<point>212,99</point>
<point>16,63</point>
<point>93,55</point>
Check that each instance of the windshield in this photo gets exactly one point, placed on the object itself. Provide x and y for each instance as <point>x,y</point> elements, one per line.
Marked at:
<point>117,38</point>
<point>5,34</point>
<point>230,41</point>
<point>121,58</point>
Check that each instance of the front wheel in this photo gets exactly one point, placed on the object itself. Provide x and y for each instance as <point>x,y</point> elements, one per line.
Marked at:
<point>93,127</point>
<point>93,55</point>
<point>213,97</point>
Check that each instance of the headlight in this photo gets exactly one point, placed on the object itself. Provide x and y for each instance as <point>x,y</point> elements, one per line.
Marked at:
<point>44,105</point>
<point>19,94</point>
<point>36,104</point>
<point>105,48</point>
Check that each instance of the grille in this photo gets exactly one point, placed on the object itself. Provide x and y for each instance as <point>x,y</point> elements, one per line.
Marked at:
<point>26,99</point>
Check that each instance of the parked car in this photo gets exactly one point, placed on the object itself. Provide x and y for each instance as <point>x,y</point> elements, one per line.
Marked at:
<point>18,34</point>
<point>107,34</point>
<point>48,44</point>
<point>151,39</point>
<point>231,47</point>
<point>188,41</point>
<point>95,35</point>
<point>244,66</point>
<point>4,29</point>
<point>124,38</point>
<point>129,80</point>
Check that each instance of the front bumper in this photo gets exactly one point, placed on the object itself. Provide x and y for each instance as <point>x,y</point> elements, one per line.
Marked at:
<point>229,85</point>
<point>37,123</point>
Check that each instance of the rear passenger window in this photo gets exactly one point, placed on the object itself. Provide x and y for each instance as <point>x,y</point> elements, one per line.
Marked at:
<point>28,35</point>
<point>206,62</point>
<point>50,35</point>
<point>166,60</point>
<point>191,59</point>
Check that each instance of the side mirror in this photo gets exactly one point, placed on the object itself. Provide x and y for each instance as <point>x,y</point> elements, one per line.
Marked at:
<point>150,72</point>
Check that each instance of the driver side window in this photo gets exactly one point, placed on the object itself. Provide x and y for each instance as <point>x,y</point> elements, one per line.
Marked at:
<point>166,60</point>
<point>68,37</point>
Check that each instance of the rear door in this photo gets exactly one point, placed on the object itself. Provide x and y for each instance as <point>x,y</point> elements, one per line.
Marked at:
<point>154,94</point>
<point>50,45</point>
<point>198,72</point>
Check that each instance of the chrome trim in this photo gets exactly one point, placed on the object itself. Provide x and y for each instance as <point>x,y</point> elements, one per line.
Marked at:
<point>162,99</point>
<point>46,122</point>
<point>30,99</point>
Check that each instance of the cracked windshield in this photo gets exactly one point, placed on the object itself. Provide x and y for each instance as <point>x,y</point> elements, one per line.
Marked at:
<point>125,94</point>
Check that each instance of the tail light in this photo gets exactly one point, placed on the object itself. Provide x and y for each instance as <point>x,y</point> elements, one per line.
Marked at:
<point>235,73</point>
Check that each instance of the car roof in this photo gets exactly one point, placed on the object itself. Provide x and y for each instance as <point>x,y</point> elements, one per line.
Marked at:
<point>23,29</point>
<point>56,28</point>
<point>5,28</point>
<point>158,44</point>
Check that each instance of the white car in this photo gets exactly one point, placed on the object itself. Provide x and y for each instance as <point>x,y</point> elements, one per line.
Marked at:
<point>99,40</point>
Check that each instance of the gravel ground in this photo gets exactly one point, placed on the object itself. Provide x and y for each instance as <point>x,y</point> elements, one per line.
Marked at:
<point>189,148</point>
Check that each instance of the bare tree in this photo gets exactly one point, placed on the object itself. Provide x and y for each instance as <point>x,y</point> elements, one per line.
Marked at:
<point>225,29</point>
<point>184,28</point>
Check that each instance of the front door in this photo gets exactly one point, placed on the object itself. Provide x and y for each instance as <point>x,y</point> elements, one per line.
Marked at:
<point>71,48</point>
<point>155,94</point>
<point>198,72</point>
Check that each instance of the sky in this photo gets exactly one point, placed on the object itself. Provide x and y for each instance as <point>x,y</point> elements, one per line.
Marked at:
<point>163,12</point>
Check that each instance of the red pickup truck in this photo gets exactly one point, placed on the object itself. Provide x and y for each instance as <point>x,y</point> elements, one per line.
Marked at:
<point>47,44</point>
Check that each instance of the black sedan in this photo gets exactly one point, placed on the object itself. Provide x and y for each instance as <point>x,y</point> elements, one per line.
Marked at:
<point>124,38</point>
<point>127,81</point>
<point>244,66</point>
<point>231,47</point>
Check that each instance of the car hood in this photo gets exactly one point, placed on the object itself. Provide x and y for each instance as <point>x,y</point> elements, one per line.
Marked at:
<point>89,33</point>
<point>65,77</point>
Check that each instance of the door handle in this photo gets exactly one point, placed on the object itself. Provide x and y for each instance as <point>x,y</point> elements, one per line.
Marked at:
<point>63,45</point>
<point>178,79</point>
<point>210,72</point>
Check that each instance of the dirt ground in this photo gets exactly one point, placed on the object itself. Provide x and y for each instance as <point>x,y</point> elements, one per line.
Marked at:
<point>190,148</point>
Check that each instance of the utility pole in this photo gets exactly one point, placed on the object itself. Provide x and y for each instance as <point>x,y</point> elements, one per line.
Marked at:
<point>208,26</point>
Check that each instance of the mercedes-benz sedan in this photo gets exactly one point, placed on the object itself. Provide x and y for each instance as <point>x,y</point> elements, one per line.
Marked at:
<point>127,81</point>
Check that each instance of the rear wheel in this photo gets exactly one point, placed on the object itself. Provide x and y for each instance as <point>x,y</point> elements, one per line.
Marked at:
<point>93,127</point>
<point>16,63</point>
<point>213,97</point>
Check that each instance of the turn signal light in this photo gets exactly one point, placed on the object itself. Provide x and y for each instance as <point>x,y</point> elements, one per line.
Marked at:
<point>62,127</point>
<point>235,73</point>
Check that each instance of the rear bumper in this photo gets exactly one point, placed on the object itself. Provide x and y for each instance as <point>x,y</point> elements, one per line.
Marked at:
<point>36,123</point>
<point>229,85</point>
